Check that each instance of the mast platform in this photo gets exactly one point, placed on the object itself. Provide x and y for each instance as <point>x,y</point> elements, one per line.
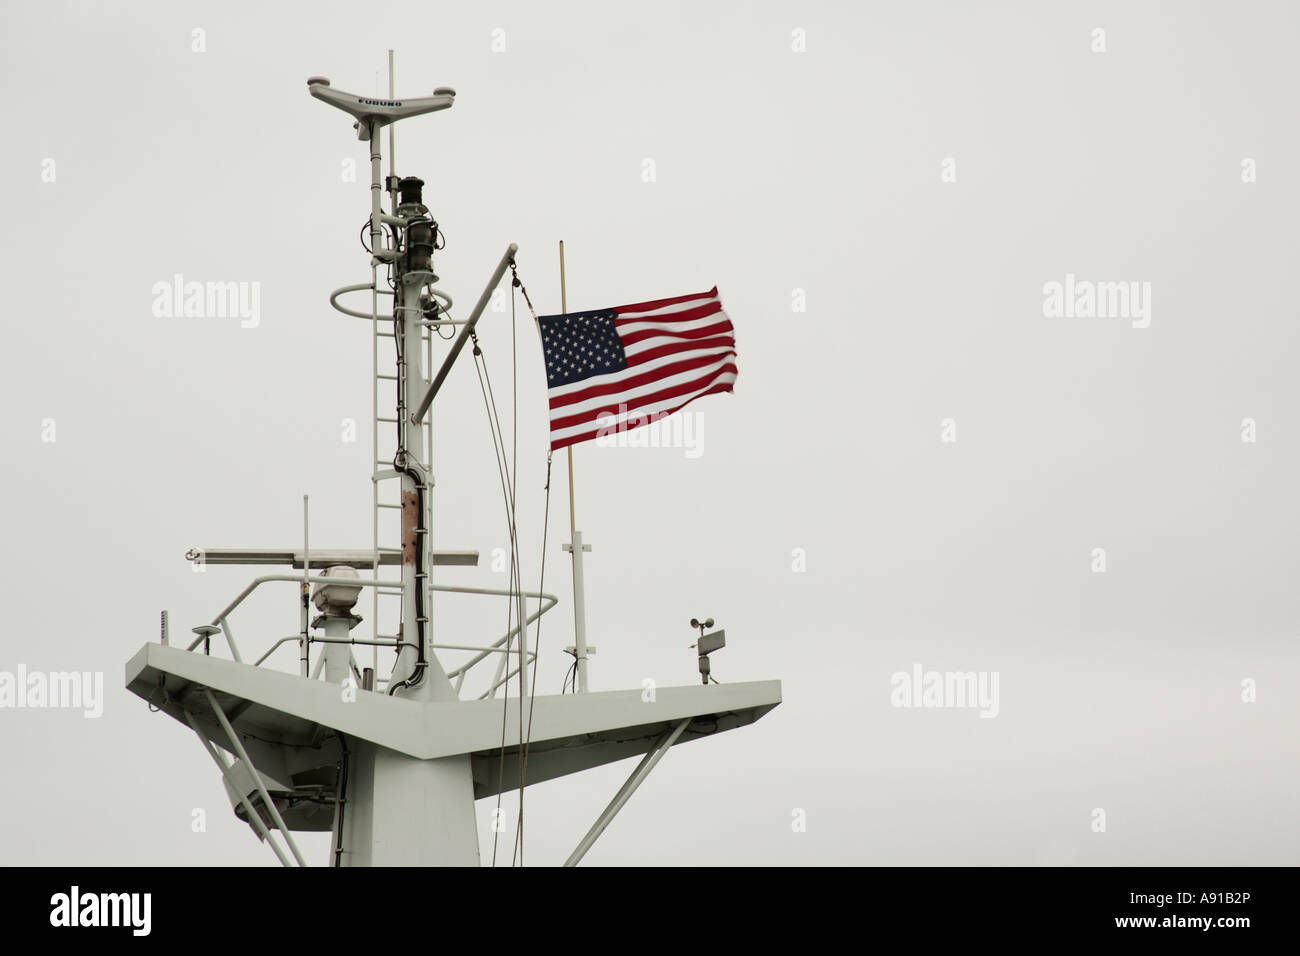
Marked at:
<point>294,729</point>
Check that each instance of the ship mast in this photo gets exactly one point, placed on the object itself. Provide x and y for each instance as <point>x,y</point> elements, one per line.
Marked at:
<point>392,767</point>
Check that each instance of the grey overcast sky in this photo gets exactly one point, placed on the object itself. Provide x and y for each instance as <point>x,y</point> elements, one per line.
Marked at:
<point>922,466</point>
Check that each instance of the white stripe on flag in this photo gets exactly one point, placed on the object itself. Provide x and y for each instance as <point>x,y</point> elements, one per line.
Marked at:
<point>611,378</point>
<point>670,309</point>
<point>612,400</point>
<point>616,419</point>
<point>674,328</point>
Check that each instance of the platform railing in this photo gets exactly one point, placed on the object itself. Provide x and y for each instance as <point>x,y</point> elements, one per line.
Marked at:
<point>501,645</point>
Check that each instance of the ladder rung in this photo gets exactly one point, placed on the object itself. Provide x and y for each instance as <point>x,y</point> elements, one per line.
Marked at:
<point>384,505</point>
<point>391,421</point>
<point>387,335</point>
<point>387,378</point>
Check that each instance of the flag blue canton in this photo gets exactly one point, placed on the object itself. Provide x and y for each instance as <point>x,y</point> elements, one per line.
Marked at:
<point>580,345</point>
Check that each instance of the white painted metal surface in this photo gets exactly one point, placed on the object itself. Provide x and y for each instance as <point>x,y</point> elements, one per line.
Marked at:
<point>580,649</point>
<point>394,775</point>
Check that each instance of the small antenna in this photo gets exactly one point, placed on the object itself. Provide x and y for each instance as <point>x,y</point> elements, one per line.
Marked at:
<point>205,631</point>
<point>306,593</point>
<point>392,139</point>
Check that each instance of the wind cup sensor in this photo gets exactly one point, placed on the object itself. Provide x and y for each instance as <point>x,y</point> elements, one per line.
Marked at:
<point>706,645</point>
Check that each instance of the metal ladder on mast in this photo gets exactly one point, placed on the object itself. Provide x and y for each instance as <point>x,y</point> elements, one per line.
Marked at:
<point>387,375</point>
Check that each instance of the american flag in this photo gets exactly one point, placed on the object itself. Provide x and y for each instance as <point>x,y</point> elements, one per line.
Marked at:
<point>616,369</point>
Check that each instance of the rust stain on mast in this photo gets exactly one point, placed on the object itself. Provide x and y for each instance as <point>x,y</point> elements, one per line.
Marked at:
<point>410,521</point>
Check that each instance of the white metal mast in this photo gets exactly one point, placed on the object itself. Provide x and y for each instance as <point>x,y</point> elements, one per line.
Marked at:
<point>393,771</point>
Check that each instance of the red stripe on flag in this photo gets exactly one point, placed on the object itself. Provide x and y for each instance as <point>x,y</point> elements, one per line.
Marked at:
<point>686,315</point>
<point>641,401</point>
<point>660,303</point>
<point>659,351</point>
<point>718,328</point>
<point>574,439</point>
<point>635,381</point>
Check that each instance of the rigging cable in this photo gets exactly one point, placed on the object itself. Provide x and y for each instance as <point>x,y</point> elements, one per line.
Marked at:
<point>519,571</point>
<point>503,475</point>
<point>516,283</point>
<point>508,475</point>
<point>537,657</point>
<point>340,798</point>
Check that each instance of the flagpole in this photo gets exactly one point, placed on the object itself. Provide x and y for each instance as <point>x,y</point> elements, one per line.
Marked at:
<point>576,548</point>
<point>564,307</point>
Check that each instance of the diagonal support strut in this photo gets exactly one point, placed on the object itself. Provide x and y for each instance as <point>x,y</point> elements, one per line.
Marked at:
<point>257,777</point>
<point>254,817</point>
<point>642,771</point>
